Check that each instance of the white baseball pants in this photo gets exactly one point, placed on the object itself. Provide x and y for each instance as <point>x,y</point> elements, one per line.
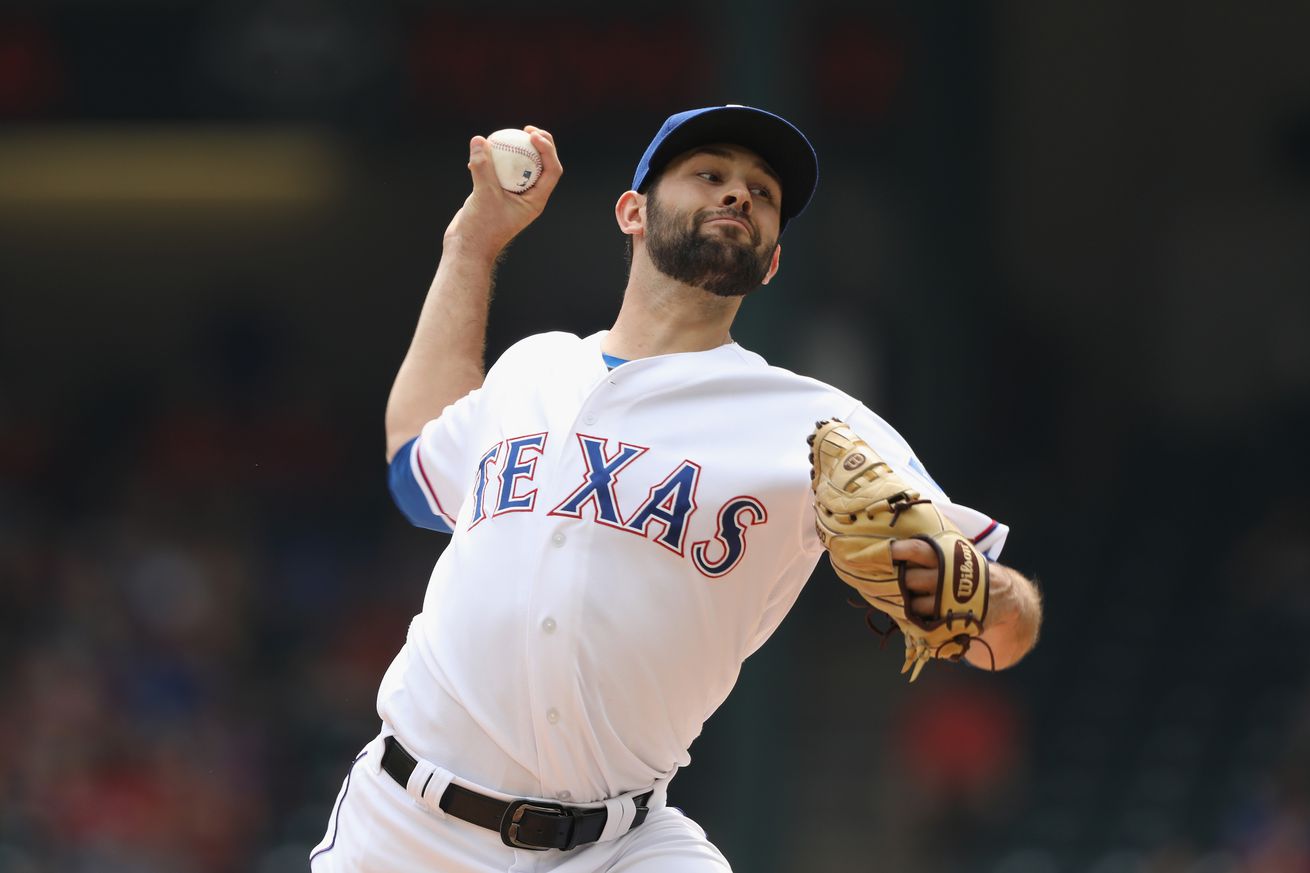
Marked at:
<point>376,826</point>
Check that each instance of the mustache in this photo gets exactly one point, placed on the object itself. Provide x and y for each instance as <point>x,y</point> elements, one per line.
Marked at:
<point>733,214</point>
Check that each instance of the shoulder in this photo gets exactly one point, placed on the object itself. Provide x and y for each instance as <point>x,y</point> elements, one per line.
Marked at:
<point>531,351</point>
<point>542,343</point>
<point>751,365</point>
<point>808,400</point>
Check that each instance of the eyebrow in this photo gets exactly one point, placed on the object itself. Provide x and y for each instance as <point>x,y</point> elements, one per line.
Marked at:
<point>715,151</point>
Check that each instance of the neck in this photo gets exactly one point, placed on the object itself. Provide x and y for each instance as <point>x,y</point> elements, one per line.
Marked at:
<point>660,316</point>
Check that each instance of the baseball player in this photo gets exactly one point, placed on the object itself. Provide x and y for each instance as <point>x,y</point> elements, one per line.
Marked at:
<point>631,514</point>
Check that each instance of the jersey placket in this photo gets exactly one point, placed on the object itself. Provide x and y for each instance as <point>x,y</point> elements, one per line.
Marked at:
<point>554,611</point>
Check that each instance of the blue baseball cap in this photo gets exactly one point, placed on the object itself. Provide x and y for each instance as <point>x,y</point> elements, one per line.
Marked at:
<point>770,136</point>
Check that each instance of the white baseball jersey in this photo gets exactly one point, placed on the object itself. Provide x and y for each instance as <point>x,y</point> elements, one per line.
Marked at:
<point>622,540</point>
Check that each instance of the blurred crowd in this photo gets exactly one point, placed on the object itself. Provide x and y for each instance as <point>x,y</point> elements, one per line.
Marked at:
<point>198,600</point>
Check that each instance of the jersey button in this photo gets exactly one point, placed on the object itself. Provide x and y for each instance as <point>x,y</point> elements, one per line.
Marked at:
<point>548,625</point>
<point>552,715</point>
<point>565,796</point>
<point>589,418</point>
<point>557,539</point>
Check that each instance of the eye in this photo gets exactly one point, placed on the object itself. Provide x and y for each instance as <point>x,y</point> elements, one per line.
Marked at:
<point>709,176</point>
<point>761,191</point>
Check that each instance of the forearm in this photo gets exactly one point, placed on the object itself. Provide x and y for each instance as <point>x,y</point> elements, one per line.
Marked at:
<point>445,360</point>
<point>1014,618</point>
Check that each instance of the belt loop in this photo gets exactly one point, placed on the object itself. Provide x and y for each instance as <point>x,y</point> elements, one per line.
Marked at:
<point>620,811</point>
<point>427,783</point>
<point>659,795</point>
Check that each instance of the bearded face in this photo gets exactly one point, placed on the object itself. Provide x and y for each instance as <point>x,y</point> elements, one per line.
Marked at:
<point>682,248</point>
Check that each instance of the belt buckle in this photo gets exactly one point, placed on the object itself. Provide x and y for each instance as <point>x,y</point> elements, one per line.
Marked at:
<point>509,823</point>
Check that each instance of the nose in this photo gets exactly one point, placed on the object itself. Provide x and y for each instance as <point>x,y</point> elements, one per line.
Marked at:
<point>739,197</point>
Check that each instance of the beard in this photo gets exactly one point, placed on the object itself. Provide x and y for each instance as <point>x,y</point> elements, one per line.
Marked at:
<point>713,262</point>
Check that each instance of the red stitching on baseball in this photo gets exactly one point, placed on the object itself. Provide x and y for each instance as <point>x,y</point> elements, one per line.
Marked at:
<point>518,150</point>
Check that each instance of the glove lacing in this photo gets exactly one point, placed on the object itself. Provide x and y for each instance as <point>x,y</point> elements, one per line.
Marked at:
<point>962,640</point>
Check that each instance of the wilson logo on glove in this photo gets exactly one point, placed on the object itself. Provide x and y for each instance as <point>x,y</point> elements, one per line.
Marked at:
<point>964,571</point>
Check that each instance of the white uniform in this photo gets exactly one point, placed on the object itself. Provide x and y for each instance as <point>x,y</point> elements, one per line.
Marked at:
<point>622,540</point>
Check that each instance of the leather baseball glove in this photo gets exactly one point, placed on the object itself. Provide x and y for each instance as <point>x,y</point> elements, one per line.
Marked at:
<point>861,508</point>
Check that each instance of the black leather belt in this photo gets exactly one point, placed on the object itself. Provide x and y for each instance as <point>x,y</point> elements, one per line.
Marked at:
<point>523,824</point>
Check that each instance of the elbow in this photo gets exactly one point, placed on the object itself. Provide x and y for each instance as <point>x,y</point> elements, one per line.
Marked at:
<point>397,439</point>
<point>401,424</point>
<point>399,430</point>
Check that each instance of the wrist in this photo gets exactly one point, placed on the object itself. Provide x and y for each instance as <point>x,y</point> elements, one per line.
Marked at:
<point>458,247</point>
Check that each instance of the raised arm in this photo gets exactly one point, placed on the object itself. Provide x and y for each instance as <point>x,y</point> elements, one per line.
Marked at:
<point>445,357</point>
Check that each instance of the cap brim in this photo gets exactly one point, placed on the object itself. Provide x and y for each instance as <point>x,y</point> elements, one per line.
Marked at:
<point>784,148</point>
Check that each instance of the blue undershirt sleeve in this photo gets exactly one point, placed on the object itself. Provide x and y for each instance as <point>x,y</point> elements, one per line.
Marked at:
<point>408,493</point>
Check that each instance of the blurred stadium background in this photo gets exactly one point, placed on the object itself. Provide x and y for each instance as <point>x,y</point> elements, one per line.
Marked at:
<point>1064,247</point>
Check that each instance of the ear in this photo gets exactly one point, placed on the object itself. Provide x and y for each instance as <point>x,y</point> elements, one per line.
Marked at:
<point>630,213</point>
<point>773,267</point>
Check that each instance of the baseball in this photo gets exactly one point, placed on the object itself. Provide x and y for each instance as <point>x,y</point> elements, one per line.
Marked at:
<point>518,165</point>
